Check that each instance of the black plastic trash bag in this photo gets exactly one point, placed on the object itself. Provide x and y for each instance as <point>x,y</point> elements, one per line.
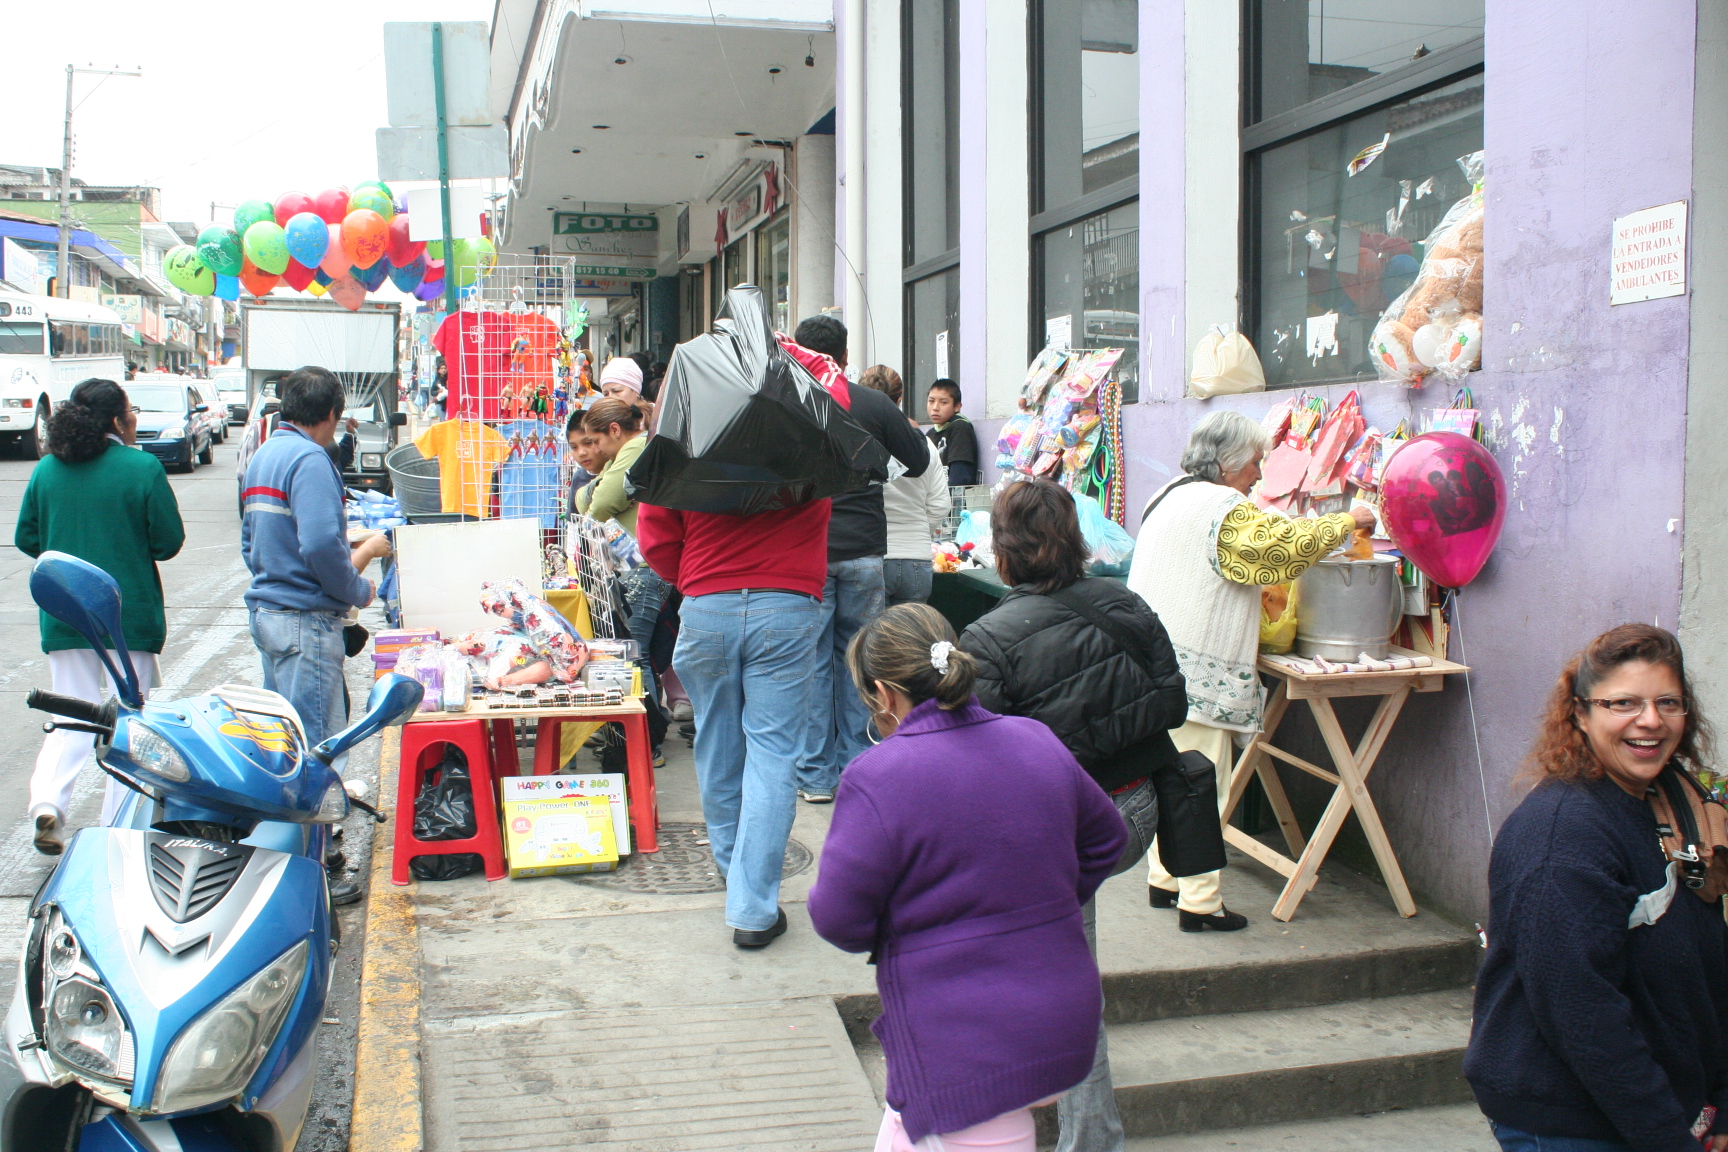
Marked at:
<point>744,428</point>
<point>444,810</point>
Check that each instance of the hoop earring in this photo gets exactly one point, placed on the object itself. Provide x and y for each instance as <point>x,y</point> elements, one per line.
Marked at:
<point>874,740</point>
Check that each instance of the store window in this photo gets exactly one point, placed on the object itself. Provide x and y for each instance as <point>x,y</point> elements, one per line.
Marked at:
<point>1085,149</point>
<point>1325,251</point>
<point>930,111</point>
<point>774,269</point>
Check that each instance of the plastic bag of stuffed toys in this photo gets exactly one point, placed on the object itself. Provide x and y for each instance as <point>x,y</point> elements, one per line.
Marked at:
<point>553,640</point>
<point>1435,326</point>
<point>503,656</point>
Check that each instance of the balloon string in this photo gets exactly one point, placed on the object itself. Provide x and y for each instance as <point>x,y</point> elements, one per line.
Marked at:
<point>1475,733</point>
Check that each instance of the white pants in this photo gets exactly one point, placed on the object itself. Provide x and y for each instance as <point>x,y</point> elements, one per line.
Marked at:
<point>78,672</point>
<point>1200,893</point>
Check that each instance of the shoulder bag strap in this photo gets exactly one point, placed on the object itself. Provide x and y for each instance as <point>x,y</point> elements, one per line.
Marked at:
<point>1077,604</point>
<point>1168,488</point>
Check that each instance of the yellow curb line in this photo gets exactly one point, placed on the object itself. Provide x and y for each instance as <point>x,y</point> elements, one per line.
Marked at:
<point>386,1113</point>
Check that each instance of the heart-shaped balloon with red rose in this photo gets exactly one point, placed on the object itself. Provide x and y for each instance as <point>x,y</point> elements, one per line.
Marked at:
<point>1443,500</point>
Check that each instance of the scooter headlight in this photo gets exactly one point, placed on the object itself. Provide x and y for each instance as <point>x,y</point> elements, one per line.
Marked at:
<point>150,751</point>
<point>215,1057</point>
<point>334,807</point>
<point>85,1030</point>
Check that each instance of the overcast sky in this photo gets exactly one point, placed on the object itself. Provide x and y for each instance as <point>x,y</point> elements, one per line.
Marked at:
<point>237,99</point>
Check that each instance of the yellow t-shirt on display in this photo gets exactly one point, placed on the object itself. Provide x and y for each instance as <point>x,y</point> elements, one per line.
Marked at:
<point>468,454</point>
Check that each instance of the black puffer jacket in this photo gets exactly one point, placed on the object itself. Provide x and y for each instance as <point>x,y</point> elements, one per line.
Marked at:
<point>1038,659</point>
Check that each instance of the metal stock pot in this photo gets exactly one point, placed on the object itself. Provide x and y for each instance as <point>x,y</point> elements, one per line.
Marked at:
<point>1347,607</point>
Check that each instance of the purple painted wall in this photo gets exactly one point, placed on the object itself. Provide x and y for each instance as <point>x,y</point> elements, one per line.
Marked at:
<point>1584,404</point>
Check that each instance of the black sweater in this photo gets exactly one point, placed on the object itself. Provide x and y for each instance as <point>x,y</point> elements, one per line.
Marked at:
<point>1037,658</point>
<point>858,525</point>
<point>1585,1027</point>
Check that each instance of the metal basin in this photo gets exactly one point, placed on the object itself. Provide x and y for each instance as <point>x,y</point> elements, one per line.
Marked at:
<point>1347,607</point>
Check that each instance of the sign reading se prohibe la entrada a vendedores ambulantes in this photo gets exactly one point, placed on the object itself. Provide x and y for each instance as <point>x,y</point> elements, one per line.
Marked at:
<point>1648,258</point>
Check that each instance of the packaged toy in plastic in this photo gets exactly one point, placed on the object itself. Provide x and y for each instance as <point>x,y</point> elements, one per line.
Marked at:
<point>549,633</point>
<point>1435,326</point>
<point>745,428</point>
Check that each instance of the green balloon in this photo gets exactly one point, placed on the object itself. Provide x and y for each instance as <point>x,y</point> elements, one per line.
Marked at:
<point>474,259</point>
<point>373,197</point>
<point>250,213</point>
<point>378,184</point>
<point>434,249</point>
<point>219,249</point>
<point>266,245</point>
<point>188,273</point>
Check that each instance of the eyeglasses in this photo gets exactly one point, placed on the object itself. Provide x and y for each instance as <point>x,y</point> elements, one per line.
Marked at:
<point>1634,705</point>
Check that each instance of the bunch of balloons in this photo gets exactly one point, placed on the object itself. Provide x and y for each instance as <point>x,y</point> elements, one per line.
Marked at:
<point>340,242</point>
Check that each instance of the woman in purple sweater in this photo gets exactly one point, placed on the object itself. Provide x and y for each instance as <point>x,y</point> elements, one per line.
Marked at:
<point>962,848</point>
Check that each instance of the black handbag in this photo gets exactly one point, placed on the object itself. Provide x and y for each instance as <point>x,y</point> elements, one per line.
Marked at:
<point>1190,834</point>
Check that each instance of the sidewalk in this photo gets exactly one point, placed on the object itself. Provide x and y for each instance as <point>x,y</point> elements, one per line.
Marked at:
<point>614,1011</point>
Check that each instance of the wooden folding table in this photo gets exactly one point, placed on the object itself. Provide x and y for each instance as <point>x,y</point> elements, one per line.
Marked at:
<point>1349,780</point>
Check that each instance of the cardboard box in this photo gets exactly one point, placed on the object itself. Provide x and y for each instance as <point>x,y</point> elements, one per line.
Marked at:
<point>559,834</point>
<point>609,785</point>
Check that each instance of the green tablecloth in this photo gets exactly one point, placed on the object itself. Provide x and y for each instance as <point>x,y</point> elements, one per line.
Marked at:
<point>965,595</point>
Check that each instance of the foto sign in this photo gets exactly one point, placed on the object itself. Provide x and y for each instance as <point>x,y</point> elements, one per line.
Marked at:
<point>1647,259</point>
<point>589,223</point>
<point>608,238</point>
<point>613,271</point>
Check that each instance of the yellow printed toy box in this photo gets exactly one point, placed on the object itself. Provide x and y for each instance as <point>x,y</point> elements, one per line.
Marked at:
<point>559,834</point>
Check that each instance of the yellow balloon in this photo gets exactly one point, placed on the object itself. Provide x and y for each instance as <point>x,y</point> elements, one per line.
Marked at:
<point>315,288</point>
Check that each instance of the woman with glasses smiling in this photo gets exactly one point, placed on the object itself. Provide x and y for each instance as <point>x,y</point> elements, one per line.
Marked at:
<point>1601,1021</point>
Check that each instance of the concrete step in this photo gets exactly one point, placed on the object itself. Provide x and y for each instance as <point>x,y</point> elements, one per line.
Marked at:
<point>1456,1128</point>
<point>1187,1074</point>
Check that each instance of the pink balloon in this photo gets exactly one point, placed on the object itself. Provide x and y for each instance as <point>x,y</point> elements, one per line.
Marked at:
<point>348,292</point>
<point>1443,500</point>
<point>336,262</point>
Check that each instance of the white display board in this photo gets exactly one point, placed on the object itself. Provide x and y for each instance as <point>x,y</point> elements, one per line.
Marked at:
<point>283,339</point>
<point>1647,257</point>
<point>443,565</point>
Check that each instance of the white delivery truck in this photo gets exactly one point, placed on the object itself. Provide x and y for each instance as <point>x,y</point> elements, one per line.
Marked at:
<point>281,333</point>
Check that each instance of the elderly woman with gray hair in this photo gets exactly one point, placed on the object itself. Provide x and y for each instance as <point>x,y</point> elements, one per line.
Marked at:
<point>1204,552</point>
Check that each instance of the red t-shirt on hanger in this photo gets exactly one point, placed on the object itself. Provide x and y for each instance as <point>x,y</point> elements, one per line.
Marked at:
<point>476,349</point>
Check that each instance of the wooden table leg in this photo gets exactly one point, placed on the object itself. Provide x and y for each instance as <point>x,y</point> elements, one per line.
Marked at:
<point>1353,766</point>
<point>1254,761</point>
<point>548,746</point>
<point>644,804</point>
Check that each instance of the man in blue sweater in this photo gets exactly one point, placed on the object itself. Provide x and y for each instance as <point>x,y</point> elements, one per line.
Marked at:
<point>294,539</point>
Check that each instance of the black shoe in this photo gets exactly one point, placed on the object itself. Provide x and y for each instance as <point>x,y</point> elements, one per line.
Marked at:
<point>762,938</point>
<point>346,892</point>
<point>334,861</point>
<point>1160,897</point>
<point>687,730</point>
<point>1222,920</point>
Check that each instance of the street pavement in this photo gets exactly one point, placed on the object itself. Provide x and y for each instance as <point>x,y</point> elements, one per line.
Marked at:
<point>207,645</point>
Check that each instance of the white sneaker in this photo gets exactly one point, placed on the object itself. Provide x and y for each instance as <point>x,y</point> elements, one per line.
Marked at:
<point>48,828</point>
<point>682,711</point>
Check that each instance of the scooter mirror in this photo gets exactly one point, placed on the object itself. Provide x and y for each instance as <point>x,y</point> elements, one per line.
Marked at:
<point>87,600</point>
<point>393,699</point>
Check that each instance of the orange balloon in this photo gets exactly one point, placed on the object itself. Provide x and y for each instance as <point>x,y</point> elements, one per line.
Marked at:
<point>348,292</point>
<point>255,280</point>
<point>365,235</point>
<point>335,262</point>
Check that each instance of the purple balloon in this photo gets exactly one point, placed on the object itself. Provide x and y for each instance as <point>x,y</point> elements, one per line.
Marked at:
<point>429,289</point>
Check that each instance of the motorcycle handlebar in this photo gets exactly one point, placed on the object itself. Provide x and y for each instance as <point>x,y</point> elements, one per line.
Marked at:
<point>71,706</point>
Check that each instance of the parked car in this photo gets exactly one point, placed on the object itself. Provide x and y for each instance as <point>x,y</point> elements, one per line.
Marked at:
<point>215,415</point>
<point>172,423</point>
<point>230,385</point>
<point>260,419</point>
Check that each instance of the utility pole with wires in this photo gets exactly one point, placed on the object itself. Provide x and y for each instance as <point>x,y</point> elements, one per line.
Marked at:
<point>62,265</point>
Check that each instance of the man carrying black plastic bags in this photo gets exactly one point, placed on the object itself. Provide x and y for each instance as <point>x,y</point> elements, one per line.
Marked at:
<point>853,593</point>
<point>733,509</point>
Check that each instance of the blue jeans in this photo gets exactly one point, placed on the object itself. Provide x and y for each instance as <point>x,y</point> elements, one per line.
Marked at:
<point>906,581</point>
<point>645,590</point>
<point>302,654</point>
<point>1513,1140</point>
<point>745,658</point>
<point>839,723</point>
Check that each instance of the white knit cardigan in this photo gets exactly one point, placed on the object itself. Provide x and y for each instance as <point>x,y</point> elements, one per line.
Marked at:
<point>1213,622</point>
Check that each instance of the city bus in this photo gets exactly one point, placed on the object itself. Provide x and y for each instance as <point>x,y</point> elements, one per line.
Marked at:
<point>47,345</point>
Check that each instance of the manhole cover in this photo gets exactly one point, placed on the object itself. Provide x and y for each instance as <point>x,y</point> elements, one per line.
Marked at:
<point>682,864</point>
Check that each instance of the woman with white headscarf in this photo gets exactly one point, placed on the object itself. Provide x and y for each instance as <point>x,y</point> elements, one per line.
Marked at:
<point>1204,552</point>
<point>621,379</point>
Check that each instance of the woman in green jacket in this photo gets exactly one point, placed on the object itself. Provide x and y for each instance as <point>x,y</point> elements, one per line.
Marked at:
<point>101,500</point>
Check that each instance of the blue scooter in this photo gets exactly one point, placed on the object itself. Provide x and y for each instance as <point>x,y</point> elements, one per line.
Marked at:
<point>176,964</point>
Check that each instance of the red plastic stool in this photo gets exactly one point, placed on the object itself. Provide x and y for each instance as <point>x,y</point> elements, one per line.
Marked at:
<point>421,751</point>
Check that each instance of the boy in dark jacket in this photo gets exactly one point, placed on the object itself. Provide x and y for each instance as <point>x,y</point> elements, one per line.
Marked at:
<point>953,436</point>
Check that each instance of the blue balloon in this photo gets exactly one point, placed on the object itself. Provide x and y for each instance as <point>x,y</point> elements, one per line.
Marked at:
<point>227,287</point>
<point>323,278</point>
<point>372,278</point>
<point>308,236</point>
<point>408,277</point>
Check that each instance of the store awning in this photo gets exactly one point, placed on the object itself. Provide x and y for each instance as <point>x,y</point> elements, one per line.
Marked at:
<point>651,102</point>
<point>90,246</point>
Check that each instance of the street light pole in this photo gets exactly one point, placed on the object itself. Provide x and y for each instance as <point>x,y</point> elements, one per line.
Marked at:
<point>62,265</point>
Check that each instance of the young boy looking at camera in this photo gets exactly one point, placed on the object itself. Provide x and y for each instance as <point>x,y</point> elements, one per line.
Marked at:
<point>953,436</point>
